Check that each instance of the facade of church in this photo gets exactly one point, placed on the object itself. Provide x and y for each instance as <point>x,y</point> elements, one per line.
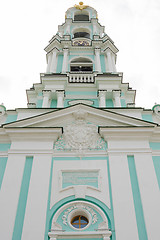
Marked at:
<point>81,162</point>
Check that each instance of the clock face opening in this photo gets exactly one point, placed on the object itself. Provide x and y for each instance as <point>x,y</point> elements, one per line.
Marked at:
<point>81,43</point>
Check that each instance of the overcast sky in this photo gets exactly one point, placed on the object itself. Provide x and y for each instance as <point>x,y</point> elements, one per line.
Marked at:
<point>27,26</point>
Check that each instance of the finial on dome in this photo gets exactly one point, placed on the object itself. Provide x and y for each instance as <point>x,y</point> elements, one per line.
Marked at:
<point>80,6</point>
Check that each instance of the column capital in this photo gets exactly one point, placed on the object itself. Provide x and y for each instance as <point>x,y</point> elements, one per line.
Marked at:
<point>97,50</point>
<point>116,93</point>
<point>46,93</point>
<point>65,49</point>
<point>102,93</point>
<point>60,93</point>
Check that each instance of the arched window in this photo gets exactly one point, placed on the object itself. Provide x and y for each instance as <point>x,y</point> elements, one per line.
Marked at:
<point>81,65</point>
<point>81,35</point>
<point>81,16</point>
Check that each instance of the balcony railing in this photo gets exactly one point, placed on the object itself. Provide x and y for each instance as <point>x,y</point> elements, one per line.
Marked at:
<point>81,77</point>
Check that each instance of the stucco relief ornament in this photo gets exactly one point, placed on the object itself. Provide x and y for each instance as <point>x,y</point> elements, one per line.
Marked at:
<point>80,136</point>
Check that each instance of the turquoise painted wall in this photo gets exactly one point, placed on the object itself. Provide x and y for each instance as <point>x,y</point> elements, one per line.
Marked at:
<point>53,103</point>
<point>89,178</point>
<point>11,118</point>
<point>40,94</point>
<point>109,103</point>
<point>5,146</point>
<point>123,103</point>
<point>39,103</point>
<point>3,163</point>
<point>78,158</point>
<point>156,162</point>
<point>59,63</point>
<point>154,145</point>
<point>147,117</point>
<point>103,66</point>
<point>137,199</point>
<point>81,93</point>
<point>18,225</point>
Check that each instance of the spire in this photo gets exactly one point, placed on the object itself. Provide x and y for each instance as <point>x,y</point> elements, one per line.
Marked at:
<point>80,6</point>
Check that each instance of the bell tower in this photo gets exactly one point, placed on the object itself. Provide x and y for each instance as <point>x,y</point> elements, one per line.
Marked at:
<point>81,66</point>
<point>81,162</point>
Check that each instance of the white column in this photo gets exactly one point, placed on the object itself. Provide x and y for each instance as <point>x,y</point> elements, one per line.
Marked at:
<point>49,63</point>
<point>97,60</point>
<point>114,62</point>
<point>124,211</point>
<point>117,100</point>
<point>150,194</point>
<point>94,29</point>
<point>65,60</point>
<point>102,98</point>
<point>46,98</point>
<point>109,67</point>
<point>53,65</point>
<point>60,99</point>
<point>35,214</point>
<point>68,29</point>
<point>9,194</point>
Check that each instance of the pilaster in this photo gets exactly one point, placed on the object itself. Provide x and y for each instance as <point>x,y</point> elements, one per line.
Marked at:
<point>116,96</point>
<point>46,98</point>
<point>102,98</point>
<point>97,60</point>
<point>65,60</point>
<point>53,65</point>
<point>49,63</point>
<point>60,98</point>
<point>109,67</point>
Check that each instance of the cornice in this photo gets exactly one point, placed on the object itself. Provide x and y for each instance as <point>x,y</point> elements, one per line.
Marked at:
<point>131,133</point>
<point>34,133</point>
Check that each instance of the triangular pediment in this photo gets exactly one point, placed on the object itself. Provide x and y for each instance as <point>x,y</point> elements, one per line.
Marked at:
<point>63,117</point>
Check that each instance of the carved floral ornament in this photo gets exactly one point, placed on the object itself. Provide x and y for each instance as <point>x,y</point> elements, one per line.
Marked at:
<point>80,207</point>
<point>80,136</point>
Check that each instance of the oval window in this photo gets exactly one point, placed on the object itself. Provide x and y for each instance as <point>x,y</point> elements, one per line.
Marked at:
<point>79,222</point>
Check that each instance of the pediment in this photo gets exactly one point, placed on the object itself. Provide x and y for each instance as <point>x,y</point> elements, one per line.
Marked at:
<point>63,117</point>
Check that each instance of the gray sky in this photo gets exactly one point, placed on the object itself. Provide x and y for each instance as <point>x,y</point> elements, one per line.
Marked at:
<point>27,26</point>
